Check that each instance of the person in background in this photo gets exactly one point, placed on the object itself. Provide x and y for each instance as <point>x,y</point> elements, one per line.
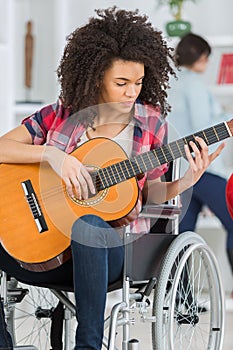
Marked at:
<point>113,76</point>
<point>194,108</point>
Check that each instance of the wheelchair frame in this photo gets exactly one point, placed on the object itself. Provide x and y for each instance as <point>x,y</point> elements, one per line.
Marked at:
<point>176,304</point>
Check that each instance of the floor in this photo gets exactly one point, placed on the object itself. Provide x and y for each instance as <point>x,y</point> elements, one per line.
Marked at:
<point>142,331</point>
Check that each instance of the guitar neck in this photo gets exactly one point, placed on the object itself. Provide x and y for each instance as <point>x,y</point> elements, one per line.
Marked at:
<point>144,162</point>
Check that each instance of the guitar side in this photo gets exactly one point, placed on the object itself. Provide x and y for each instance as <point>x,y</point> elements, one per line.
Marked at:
<point>19,232</point>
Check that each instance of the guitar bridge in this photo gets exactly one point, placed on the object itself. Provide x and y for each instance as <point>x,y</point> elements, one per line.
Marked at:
<point>34,206</point>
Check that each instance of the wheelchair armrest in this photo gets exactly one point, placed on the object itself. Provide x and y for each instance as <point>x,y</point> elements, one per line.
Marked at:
<point>167,211</point>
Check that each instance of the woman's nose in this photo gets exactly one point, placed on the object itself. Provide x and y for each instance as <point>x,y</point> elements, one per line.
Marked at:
<point>131,91</point>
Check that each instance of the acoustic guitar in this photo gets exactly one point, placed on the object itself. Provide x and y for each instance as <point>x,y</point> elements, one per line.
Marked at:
<point>37,213</point>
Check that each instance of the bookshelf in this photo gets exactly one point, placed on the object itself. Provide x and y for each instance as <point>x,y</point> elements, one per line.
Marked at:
<point>225,74</point>
<point>223,92</point>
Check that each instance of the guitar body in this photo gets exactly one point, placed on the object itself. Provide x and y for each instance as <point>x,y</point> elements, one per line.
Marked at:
<point>19,233</point>
<point>37,214</point>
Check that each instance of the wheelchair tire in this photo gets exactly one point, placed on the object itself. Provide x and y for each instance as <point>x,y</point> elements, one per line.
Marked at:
<point>38,319</point>
<point>188,301</point>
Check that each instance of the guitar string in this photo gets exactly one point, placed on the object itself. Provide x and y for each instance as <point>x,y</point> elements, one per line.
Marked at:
<point>146,160</point>
<point>146,163</point>
<point>162,157</point>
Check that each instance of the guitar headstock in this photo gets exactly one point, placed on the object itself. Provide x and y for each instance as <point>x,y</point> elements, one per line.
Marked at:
<point>230,126</point>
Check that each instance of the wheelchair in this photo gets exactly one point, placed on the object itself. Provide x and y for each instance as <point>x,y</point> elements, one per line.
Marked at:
<point>171,283</point>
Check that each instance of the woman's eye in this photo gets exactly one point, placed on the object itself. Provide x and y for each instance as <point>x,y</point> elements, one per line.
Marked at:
<point>123,84</point>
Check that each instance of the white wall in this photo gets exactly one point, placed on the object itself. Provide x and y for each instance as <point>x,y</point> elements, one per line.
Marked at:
<point>54,19</point>
<point>209,17</point>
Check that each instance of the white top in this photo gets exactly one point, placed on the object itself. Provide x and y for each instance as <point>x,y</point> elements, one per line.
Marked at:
<point>124,138</point>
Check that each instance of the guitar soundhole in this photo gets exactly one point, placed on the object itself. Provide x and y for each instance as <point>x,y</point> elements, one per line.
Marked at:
<point>93,199</point>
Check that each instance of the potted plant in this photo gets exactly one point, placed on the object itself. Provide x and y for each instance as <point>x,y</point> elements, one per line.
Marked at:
<point>177,27</point>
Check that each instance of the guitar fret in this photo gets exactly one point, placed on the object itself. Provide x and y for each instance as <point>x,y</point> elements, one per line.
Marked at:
<point>120,171</point>
<point>165,157</point>
<point>156,157</point>
<point>117,173</point>
<point>103,178</point>
<point>189,138</point>
<point>211,136</point>
<point>124,164</point>
<point>134,161</point>
<point>167,153</point>
<point>171,151</point>
<point>130,168</point>
<point>176,149</point>
<point>97,180</point>
<point>110,168</point>
<point>150,160</point>
<point>180,144</point>
<point>202,134</point>
<point>141,156</point>
<point>223,132</point>
<point>141,164</point>
<point>216,133</point>
<point>160,155</point>
<point>107,177</point>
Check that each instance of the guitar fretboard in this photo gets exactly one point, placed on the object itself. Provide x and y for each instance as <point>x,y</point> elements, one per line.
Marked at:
<point>128,168</point>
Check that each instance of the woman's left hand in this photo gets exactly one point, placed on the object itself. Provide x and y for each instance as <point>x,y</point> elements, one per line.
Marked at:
<point>199,161</point>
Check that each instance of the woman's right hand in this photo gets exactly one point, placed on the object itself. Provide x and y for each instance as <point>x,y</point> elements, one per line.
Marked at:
<point>75,175</point>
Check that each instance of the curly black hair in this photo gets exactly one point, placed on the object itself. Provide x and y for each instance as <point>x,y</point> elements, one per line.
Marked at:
<point>114,34</point>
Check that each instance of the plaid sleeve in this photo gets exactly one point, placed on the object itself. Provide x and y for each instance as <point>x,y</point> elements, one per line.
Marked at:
<point>160,137</point>
<point>40,122</point>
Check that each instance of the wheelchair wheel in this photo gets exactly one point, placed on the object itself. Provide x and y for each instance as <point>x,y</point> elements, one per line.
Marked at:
<point>33,315</point>
<point>188,302</point>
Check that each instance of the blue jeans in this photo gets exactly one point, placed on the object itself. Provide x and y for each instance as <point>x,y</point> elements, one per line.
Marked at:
<point>209,190</point>
<point>5,338</point>
<point>98,257</point>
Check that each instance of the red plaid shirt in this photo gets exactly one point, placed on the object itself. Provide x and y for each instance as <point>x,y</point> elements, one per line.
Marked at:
<point>55,125</point>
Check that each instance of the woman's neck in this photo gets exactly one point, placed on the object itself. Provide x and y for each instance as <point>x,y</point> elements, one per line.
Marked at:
<point>108,115</point>
<point>109,125</point>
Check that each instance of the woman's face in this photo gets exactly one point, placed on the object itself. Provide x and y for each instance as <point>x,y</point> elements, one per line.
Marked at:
<point>121,85</point>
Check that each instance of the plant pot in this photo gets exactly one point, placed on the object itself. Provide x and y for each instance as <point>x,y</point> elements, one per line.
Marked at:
<point>178,28</point>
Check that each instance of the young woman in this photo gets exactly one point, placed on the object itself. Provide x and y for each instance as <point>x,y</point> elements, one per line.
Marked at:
<point>195,108</point>
<point>113,74</point>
